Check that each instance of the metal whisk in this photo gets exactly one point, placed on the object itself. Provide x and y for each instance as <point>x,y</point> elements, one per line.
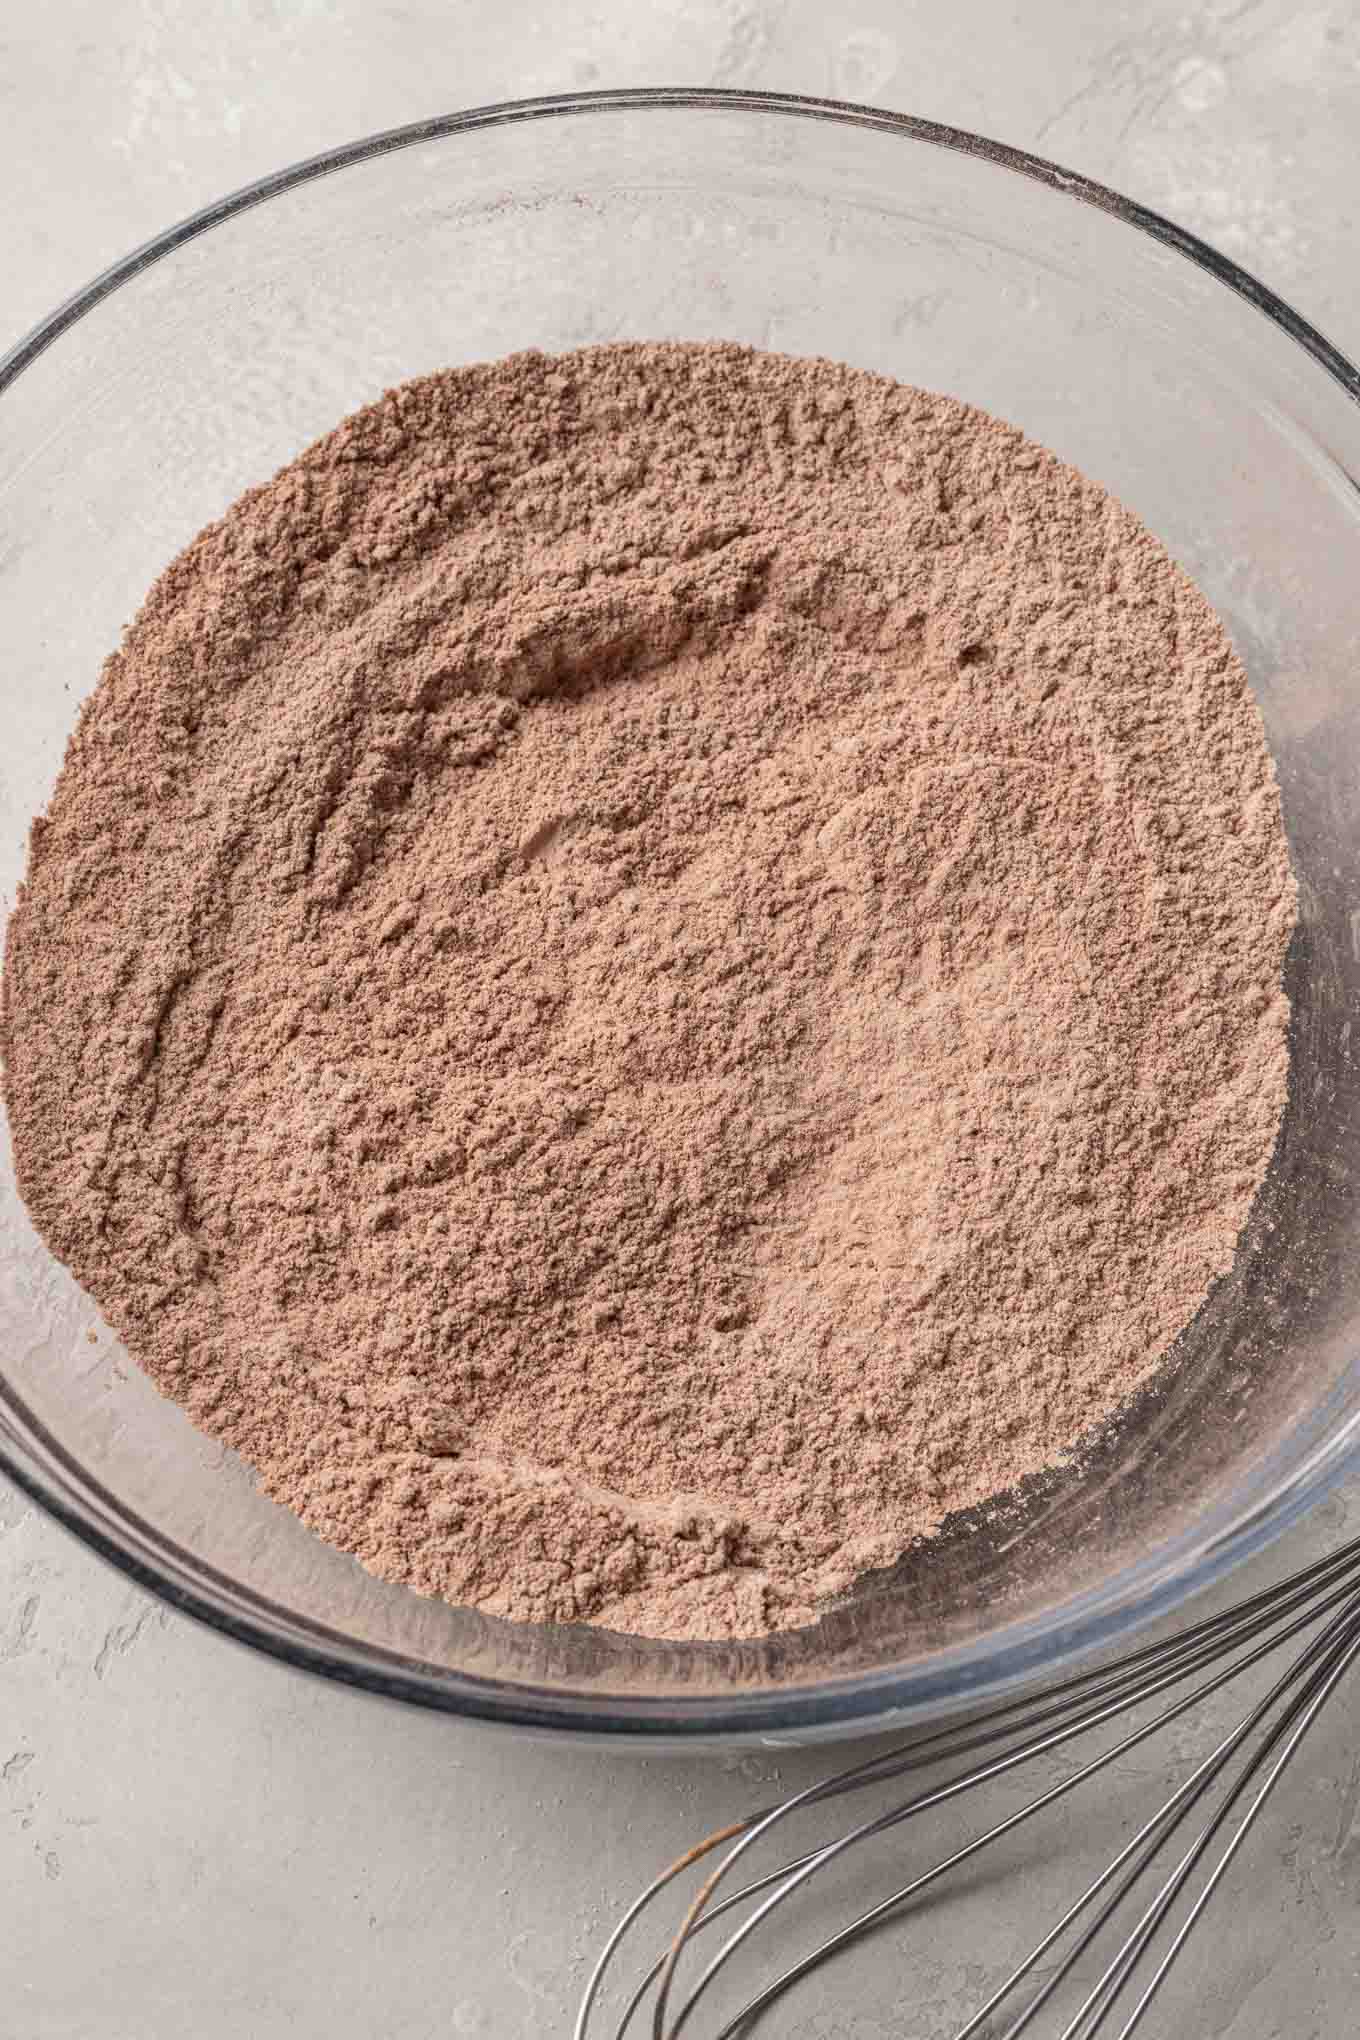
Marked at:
<point>1227,1789</point>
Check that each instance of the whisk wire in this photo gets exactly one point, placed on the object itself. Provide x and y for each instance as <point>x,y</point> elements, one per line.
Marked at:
<point>856,1928</point>
<point>1323,1685</point>
<point>1088,1718</point>
<point>1167,1818</point>
<point>867,1920</point>
<point>1029,1729</point>
<point>1009,1717</point>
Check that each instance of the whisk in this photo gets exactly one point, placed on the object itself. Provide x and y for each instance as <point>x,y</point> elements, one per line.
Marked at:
<point>1168,1871</point>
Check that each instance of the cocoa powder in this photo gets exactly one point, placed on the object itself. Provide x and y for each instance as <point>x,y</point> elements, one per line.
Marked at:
<point>650,971</point>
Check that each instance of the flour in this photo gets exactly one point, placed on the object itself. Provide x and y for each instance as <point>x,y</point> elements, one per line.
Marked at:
<point>650,972</point>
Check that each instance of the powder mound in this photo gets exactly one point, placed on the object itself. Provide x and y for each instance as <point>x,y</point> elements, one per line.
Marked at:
<point>651,970</point>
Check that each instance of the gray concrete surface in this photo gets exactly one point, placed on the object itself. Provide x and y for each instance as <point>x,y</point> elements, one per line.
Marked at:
<point>196,1842</point>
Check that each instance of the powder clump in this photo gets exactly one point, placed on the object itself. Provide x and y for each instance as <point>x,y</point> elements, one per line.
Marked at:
<point>650,971</point>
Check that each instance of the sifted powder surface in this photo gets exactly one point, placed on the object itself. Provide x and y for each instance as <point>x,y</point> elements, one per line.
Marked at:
<point>651,970</point>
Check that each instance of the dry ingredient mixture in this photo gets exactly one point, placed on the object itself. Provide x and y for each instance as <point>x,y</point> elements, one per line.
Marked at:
<point>650,971</point>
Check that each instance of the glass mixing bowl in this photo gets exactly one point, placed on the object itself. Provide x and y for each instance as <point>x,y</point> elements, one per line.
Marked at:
<point>143,406</point>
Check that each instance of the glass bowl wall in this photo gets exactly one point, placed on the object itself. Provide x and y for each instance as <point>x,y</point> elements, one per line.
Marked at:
<point>199,365</point>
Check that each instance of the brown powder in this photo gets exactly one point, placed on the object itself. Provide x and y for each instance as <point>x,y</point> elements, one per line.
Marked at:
<point>651,970</point>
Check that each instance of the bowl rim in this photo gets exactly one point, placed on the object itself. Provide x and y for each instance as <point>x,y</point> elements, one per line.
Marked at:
<point>863,1702</point>
<point>621,99</point>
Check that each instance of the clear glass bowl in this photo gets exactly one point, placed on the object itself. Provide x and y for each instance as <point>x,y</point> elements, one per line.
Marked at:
<point>205,360</point>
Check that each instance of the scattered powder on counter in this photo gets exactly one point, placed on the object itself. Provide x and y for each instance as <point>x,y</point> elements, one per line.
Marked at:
<point>651,970</point>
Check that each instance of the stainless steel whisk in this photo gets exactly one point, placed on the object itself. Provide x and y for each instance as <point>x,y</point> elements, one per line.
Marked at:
<point>1230,1785</point>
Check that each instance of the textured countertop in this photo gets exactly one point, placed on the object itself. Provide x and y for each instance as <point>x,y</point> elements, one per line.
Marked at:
<point>196,1842</point>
